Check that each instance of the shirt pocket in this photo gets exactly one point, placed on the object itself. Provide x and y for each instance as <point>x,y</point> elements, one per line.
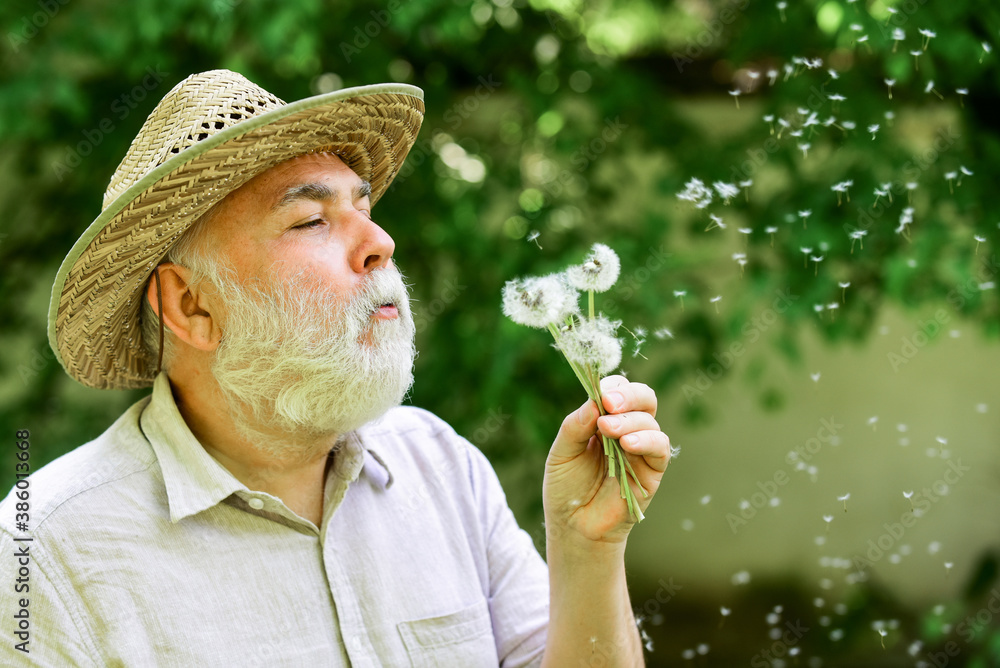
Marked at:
<point>463,638</point>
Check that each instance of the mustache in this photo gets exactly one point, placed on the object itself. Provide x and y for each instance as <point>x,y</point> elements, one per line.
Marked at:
<point>381,287</point>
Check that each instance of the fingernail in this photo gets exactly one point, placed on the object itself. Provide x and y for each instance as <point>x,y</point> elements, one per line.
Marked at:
<point>612,422</point>
<point>629,439</point>
<point>616,399</point>
<point>585,413</point>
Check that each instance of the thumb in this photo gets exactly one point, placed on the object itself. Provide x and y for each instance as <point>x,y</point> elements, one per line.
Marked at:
<point>576,430</point>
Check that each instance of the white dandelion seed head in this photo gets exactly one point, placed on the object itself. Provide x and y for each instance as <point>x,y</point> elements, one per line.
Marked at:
<point>598,272</point>
<point>911,185</point>
<point>836,97</point>
<point>929,34</point>
<point>539,301</point>
<point>827,518</point>
<point>849,125</point>
<point>746,184</point>
<point>680,293</point>
<point>907,495</point>
<point>916,52</point>
<point>987,47</point>
<point>899,34</point>
<point>593,343</point>
<point>856,27</point>
<point>770,229</point>
<point>844,284</point>
<point>845,497</point>
<point>724,611</point>
<point>929,87</point>
<point>979,238</point>
<point>715,299</point>
<point>962,91</point>
<point>950,176</point>
<point>863,38</point>
<point>965,170</point>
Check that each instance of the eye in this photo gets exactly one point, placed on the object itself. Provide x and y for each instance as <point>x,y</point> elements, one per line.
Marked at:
<point>309,224</point>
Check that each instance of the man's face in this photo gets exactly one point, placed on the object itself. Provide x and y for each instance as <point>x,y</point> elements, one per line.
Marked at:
<point>308,216</point>
<point>317,335</point>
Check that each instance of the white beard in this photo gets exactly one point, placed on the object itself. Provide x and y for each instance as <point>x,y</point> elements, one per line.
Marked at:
<point>298,364</point>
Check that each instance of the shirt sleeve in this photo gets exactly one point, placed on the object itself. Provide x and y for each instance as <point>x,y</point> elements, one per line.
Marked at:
<point>53,638</point>
<point>518,577</point>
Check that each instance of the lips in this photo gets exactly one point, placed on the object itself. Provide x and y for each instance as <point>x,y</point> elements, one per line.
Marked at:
<point>386,311</point>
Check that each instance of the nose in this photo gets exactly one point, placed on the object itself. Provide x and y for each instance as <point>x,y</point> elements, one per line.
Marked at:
<point>374,247</point>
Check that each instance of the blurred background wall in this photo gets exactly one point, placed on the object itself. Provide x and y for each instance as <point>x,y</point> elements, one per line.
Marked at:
<point>843,305</point>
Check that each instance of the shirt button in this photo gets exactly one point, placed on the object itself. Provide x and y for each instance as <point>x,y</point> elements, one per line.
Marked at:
<point>256,504</point>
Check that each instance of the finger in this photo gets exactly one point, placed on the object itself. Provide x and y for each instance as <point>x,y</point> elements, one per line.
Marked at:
<point>620,396</point>
<point>653,446</point>
<point>576,430</point>
<point>617,425</point>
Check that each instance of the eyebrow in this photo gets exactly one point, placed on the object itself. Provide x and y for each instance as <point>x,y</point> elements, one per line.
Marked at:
<point>317,192</point>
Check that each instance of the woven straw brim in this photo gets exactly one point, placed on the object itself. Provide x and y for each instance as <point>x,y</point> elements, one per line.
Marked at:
<point>93,323</point>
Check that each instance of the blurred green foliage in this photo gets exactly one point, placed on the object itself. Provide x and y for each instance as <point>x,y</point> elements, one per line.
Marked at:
<point>579,120</point>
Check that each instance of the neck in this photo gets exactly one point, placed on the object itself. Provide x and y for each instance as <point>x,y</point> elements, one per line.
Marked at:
<point>297,475</point>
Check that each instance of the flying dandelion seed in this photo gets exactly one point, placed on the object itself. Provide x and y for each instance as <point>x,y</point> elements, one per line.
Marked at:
<point>873,128</point>
<point>962,171</point>
<point>889,84</point>
<point>783,125</point>
<point>834,75</point>
<point>857,235</point>
<point>948,565</point>
<point>979,240</point>
<point>815,376</point>
<point>663,333</point>
<point>873,422</point>
<point>680,295</point>
<point>816,260</point>
<point>889,116</point>
<point>781,9</point>
<point>910,187</point>
<point>726,191</point>
<point>715,300</point>
<point>987,49</point>
<point>533,236</point>
<point>716,222</point>
<point>828,519</point>
<point>843,286</point>
<point>805,150</point>
<point>879,193</point>
<point>916,59</point>
<point>772,76</point>
<point>950,177</point>
<point>769,119</point>
<point>929,88</point>
<point>770,230</point>
<point>909,497</point>
<point>805,255</point>
<point>804,215</point>
<point>746,188</point>
<point>696,192</point>
<point>844,498</point>
<point>898,35</point>
<point>962,92</point>
<point>928,36</point>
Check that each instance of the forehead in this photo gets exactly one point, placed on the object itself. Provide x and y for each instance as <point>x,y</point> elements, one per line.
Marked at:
<point>269,186</point>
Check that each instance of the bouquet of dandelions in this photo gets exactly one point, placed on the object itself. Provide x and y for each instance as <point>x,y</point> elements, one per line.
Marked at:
<point>587,341</point>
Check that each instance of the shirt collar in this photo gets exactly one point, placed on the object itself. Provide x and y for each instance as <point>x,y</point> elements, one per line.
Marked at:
<point>196,481</point>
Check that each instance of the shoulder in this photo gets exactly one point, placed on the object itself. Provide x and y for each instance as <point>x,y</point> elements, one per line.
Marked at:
<point>84,473</point>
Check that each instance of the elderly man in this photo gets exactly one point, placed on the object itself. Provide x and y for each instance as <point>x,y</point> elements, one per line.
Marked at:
<point>271,503</point>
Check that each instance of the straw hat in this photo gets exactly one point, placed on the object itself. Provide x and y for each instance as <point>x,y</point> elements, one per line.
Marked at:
<point>211,134</point>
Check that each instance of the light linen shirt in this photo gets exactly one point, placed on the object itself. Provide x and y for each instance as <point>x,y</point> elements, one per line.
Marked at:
<point>145,551</point>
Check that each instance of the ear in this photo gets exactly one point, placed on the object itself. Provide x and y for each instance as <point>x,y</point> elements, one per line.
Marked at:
<point>187,310</point>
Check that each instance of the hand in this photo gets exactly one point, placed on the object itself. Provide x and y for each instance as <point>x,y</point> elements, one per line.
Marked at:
<point>580,499</point>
